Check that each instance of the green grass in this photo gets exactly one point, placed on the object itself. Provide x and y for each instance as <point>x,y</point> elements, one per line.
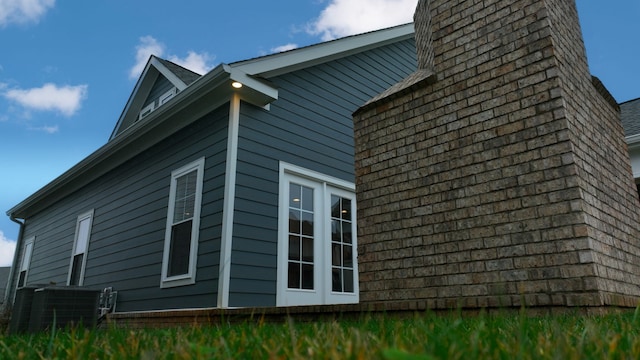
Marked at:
<point>423,336</point>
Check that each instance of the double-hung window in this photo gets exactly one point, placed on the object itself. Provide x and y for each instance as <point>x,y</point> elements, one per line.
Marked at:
<point>26,261</point>
<point>183,224</point>
<point>80,246</point>
<point>317,260</point>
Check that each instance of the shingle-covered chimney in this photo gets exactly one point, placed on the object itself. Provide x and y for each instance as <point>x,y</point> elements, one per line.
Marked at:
<point>502,178</point>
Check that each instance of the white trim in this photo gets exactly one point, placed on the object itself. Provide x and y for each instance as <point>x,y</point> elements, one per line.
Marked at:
<point>190,276</point>
<point>25,263</point>
<point>224,274</point>
<point>167,96</point>
<point>324,185</point>
<point>84,251</point>
<point>277,64</point>
<point>147,110</point>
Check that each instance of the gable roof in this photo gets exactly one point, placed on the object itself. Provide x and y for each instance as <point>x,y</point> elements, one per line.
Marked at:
<point>197,96</point>
<point>630,117</point>
<point>177,75</point>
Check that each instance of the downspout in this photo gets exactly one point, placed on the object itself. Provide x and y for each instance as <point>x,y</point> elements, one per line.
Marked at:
<point>7,292</point>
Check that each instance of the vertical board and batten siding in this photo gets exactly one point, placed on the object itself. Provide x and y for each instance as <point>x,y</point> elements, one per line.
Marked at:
<point>130,209</point>
<point>310,125</point>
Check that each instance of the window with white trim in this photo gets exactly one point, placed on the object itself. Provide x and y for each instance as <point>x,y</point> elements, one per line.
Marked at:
<point>183,224</point>
<point>80,246</point>
<point>317,259</point>
<point>25,262</point>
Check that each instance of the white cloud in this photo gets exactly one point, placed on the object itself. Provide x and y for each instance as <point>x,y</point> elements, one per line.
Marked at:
<point>197,62</point>
<point>23,11</point>
<point>285,47</point>
<point>7,248</point>
<point>50,97</point>
<point>48,129</point>
<point>148,46</point>
<point>348,17</point>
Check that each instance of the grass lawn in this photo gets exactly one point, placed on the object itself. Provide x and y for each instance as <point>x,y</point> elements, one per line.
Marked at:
<point>373,336</point>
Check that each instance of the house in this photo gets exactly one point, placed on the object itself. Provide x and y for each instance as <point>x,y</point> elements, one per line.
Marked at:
<point>630,116</point>
<point>231,189</point>
<point>4,278</point>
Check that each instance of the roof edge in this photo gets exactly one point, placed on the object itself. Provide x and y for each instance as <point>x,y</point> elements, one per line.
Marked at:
<point>287,61</point>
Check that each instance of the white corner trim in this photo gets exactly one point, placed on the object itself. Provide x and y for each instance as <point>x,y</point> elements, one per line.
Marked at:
<point>224,275</point>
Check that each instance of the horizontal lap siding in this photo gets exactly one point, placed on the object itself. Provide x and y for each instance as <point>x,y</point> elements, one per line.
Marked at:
<point>130,209</point>
<point>310,125</point>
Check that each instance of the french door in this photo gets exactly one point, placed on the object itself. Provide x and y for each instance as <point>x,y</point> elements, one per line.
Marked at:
<point>317,259</point>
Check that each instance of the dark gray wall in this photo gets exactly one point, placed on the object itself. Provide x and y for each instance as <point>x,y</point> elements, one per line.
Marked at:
<point>127,237</point>
<point>310,125</point>
<point>161,86</point>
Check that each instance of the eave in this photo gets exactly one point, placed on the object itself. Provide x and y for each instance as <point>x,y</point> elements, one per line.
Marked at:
<point>284,62</point>
<point>201,97</point>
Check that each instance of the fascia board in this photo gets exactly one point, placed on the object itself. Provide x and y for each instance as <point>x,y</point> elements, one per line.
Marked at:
<point>281,63</point>
<point>168,74</point>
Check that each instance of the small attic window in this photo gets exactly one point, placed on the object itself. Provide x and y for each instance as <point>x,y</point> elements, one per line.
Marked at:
<point>147,110</point>
<point>164,98</point>
<point>167,96</point>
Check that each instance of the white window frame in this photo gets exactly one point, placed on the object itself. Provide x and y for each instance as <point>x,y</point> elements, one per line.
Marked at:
<point>146,110</point>
<point>164,98</point>
<point>82,248</point>
<point>324,185</point>
<point>25,261</point>
<point>190,277</point>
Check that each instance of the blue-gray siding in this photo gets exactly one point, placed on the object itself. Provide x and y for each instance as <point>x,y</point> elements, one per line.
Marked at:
<point>310,125</point>
<point>130,209</point>
<point>161,86</point>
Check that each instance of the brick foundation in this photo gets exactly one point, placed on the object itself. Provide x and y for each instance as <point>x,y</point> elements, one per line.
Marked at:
<point>498,174</point>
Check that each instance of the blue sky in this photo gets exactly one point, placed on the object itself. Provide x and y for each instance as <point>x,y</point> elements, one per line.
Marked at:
<point>67,68</point>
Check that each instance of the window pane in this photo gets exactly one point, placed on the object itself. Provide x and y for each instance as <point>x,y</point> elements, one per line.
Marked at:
<point>21,278</point>
<point>347,256</point>
<point>294,248</point>
<point>336,279</point>
<point>295,195</point>
<point>336,255</point>
<point>307,224</point>
<point>76,269</point>
<point>336,231</point>
<point>346,209</point>
<point>184,203</point>
<point>307,198</point>
<point>307,276</point>
<point>294,222</point>
<point>307,249</point>
<point>26,257</point>
<point>294,275</point>
<point>347,234</point>
<point>180,248</point>
<point>335,207</point>
<point>348,281</point>
<point>83,236</point>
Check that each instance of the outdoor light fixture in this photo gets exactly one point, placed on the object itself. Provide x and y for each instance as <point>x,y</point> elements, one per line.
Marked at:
<point>236,84</point>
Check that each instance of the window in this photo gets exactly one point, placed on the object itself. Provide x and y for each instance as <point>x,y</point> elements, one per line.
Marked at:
<point>164,98</point>
<point>147,110</point>
<point>167,96</point>
<point>183,224</point>
<point>26,261</point>
<point>79,253</point>
<point>317,242</point>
